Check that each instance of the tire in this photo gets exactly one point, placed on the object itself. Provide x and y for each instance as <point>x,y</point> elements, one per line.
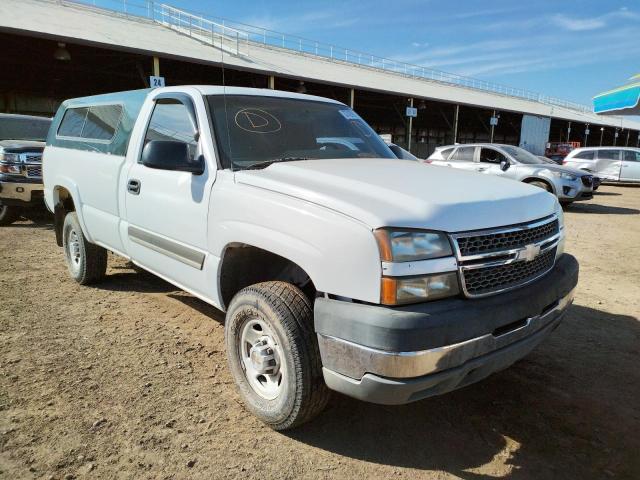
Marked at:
<point>8,214</point>
<point>541,184</point>
<point>280,316</point>
<point>87,262</point>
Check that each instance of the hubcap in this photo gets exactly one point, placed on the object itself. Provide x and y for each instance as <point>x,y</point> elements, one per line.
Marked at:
<point>261,355</point>
<point>73,248</point>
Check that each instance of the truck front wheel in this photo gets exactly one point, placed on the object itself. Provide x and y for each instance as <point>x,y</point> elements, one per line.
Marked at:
<point>273,354</point>
<point>8,214</point>
<point>87,262</point>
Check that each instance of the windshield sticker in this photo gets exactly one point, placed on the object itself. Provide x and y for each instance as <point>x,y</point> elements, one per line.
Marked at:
<point>255,120</point>
<point>349,114</point>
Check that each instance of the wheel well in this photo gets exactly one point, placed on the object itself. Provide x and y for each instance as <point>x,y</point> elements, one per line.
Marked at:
<point>63,205</point>
<point>541,180</point>
<point>244,265</point>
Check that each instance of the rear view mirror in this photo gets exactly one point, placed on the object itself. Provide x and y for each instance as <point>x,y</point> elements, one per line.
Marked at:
<point>171,155</point>
<point>504,165</point>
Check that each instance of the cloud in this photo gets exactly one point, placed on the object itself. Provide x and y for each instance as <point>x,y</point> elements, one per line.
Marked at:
<point>577,24</point>
<point>574,24</point>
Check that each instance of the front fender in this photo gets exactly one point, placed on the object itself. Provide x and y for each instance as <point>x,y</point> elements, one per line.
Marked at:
<point>338,253</point>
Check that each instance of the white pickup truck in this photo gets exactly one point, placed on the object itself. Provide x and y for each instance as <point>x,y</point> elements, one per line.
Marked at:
<point>339,266</point>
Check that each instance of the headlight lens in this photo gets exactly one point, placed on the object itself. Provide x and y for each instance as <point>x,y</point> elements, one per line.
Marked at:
<point>411,246</point>
<point>9,157</point>
<point>10,168</point>
<point>401,290</point>
<point>565,176</point>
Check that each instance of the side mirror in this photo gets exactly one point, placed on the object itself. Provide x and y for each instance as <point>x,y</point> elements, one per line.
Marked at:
<point>171,155</point>
<point>504,165</point>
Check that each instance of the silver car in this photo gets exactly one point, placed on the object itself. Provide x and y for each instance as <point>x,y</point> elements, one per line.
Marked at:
<point>507,161</point>
<point>618,164</point>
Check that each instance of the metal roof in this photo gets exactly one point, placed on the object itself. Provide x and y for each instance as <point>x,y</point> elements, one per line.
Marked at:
<point>73,22</point>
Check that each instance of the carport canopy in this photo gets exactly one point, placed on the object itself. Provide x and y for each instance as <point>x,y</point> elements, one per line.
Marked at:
<point>624,100</point>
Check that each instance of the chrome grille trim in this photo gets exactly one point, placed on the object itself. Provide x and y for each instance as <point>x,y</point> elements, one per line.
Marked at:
<point>504,257</point>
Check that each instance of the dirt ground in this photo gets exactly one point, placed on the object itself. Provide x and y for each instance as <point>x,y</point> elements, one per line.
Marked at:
<point>128,379</point>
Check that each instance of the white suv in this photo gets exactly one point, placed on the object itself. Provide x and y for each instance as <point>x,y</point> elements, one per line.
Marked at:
<point>515,163</point>
<point>609,163</point>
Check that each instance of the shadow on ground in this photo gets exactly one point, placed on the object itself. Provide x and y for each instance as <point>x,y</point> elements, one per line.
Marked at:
<point>554,422</point>
<point>584,207</point>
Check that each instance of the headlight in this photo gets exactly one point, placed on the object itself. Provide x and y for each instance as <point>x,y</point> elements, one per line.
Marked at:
<point>565,176</point>
<point>10,157</point>
<point>400,290</point>
<point>411,246</point>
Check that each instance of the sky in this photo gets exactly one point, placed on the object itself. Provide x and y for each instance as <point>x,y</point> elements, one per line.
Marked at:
<point>564,48</point>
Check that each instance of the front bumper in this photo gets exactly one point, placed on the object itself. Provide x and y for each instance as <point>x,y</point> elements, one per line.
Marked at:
<point>15,192</point>
<point>399,355</point>
<point>573,191</point>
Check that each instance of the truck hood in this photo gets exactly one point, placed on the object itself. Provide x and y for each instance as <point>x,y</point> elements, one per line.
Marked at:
<point>404,193</point>
<point>19,146</point>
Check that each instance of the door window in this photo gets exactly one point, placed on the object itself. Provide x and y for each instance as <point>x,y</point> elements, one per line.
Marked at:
<point>446,152</point>
<point>631,156</point>
<point>170,120</point>
<point>489,155</point>
<point>463,154</point>
<point>588,155</point>
<point>609,154</point>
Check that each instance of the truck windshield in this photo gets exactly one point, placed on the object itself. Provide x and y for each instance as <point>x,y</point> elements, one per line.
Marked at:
<point>254,131</point>
<point>24,128</point>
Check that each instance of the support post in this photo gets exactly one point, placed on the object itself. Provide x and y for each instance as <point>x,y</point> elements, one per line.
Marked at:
<point>569,132</point>
<point>156,66</point>
<point>615,137</point>
<point>586,135</point>
<point>455,124</point>
<point>409,130</point>
<point>352,97</point>
<point>627,142</point>
<point>493,127</point>
<point>272,82</point>
<point>601,134</point>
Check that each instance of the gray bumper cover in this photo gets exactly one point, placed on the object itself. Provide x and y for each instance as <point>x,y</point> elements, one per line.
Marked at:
<point>399,355</point>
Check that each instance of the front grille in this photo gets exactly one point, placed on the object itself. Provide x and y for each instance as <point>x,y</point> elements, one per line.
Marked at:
<point>587,181</point>
<point>507,240</point>
<point>34,171</point>
<point>33,157</point>
<point>484,280</point>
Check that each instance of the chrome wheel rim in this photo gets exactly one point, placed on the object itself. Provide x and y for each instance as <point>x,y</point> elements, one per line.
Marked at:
<point>73,250</point>
<point>261,356</point>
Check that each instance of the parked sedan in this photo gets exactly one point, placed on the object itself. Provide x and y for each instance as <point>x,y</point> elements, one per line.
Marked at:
<point>617,164</point>
<point>507,161</point>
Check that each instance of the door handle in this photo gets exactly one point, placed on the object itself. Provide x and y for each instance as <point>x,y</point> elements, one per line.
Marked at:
<point>133,186</point>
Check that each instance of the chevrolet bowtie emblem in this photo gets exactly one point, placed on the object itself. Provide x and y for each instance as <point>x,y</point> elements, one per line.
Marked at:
<point>528,253</point>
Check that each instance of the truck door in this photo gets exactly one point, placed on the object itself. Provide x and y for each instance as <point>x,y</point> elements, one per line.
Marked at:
<point>630,170</point>
<point>167,209</point>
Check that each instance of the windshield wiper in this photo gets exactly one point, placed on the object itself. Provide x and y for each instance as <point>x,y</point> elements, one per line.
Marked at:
<point>266,163</point>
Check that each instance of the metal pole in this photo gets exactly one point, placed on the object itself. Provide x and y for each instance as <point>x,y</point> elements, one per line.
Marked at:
<point>615,137</point>
<point>352,97</point>
<point>492,127</point>
<point>569,132</point>
<point>272,82</point>
<point>586,135</point>
<point>627,143</point>
<point>410,127</point>
<point>156,67</point>
<point>455,124</point>
<point>601,134</point>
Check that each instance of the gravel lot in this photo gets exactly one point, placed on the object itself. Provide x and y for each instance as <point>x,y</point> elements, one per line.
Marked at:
<point>128,379</point>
